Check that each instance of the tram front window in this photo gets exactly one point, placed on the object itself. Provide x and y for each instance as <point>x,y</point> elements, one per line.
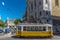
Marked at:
<point>19,28</point>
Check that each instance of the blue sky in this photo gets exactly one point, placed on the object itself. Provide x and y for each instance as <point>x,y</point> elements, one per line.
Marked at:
<point>12,8</point>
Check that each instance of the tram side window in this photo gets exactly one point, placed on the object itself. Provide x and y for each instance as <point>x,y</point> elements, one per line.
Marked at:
<point>44,28</point>
<point>32,28</point>
<point>24,28</point>
<point>28,28</point>
<point>36,28</point>
<point>40,29</point>
<point>49,28</point>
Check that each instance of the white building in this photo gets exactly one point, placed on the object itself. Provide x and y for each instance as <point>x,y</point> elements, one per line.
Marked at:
<point>10,23</point>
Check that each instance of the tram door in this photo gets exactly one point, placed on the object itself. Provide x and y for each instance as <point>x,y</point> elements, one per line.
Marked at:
<point>19,31</point>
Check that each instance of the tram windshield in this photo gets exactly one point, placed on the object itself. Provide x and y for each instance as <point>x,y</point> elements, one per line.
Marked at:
<point>18,27</point>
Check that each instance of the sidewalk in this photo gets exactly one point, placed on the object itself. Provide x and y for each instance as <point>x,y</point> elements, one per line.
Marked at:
<point>6,35</point>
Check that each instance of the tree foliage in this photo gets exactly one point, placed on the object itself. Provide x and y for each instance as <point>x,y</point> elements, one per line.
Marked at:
<point>1,23</point>
<point>17,21</point>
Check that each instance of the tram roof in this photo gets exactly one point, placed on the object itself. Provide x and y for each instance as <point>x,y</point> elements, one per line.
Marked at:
<point>33,24</point>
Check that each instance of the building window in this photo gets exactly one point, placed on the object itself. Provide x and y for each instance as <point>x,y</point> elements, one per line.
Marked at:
<point>47,12</point>
<point>29,8</point>
<point>35,3</point>
<point>40,21</point>
<point>46,1</point>
<point>40,3</point>
<point>47,20</point>
<point>35,14</point>
<point>32,6</point>
<point>56,2</point>
<point>40,13</point>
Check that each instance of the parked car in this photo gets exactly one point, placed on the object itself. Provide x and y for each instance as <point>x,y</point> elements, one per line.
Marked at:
<point>1,31</point>
<point>7,30</point>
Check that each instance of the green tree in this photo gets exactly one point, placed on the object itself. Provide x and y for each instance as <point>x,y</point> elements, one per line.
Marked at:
<point>17,21</point>
<point>1,23</point>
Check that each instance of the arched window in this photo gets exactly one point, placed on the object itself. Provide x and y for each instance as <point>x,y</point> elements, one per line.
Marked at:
<point>56,2</point>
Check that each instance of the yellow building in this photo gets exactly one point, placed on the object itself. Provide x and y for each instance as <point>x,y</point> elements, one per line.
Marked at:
<point>56,8</point>
<point>56,11</point>
<point>56,14</point>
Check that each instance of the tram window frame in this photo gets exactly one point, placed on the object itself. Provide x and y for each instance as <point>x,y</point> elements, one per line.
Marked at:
<point>49,28</point>
<point>32,28</point>
<point>19,28</point>
<point>40,28</point>
<point>28,28</point>
<point>24,28</point>
<point>36,28</point>
<point>44,28</point>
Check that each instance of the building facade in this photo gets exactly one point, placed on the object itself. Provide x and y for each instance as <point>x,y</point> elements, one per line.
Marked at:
<point>10,23</point>
<point>38,11</point>
<point>56,14</point>
<point>56,11</point>
<point>56,8</point>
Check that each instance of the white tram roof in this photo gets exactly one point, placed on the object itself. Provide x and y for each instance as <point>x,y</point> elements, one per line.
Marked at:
<point>33,24</point>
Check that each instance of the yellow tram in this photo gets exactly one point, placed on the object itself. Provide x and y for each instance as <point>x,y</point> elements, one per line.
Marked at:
<point>34,30</point>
